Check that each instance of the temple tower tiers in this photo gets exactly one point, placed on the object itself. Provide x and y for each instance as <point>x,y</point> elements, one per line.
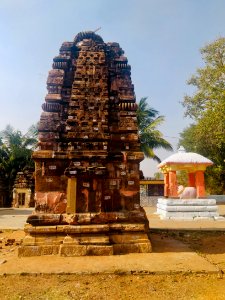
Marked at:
<point>87,164</point>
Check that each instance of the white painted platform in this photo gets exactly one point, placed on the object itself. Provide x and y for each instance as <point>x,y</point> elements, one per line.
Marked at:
<point>170,201</point>
<point>187,209</point>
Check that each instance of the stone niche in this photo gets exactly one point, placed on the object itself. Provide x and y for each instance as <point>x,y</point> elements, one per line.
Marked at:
<point>87,198</point>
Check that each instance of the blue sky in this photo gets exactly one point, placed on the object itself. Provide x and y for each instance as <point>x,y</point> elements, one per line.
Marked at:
<point>161,39</point>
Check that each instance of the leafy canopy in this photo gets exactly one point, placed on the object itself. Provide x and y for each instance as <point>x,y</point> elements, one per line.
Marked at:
<point>209,81</point>
<point>15,153</point>
<point>150,137</point>
<point>207,108</point>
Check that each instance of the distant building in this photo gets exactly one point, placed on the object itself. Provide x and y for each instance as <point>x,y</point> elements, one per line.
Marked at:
<point>23,191</point>
<point>151,187</point>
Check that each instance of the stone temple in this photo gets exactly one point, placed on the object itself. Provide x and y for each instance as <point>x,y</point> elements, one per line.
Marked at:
<point>87,162</point>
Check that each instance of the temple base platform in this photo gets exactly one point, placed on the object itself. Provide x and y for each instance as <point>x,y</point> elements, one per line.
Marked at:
<point>77,235</point>
<point>187,209</point>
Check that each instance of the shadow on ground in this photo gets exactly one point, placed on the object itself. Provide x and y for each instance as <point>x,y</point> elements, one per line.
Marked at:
<point>16,211</point>
<point>162,243</point>
<point>205,242</point>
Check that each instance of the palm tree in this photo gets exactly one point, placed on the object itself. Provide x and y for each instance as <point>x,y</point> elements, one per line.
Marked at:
<point>150,137</point>
<point>15,154</point>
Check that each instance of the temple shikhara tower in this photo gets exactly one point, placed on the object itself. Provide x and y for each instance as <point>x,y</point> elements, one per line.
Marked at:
<point>87,162</point>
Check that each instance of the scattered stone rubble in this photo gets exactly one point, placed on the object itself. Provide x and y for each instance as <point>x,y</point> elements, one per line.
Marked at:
<point>8,246</point>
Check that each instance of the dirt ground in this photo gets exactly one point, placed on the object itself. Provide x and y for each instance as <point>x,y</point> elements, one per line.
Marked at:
<point>210,245</point>
<point>112,287</point>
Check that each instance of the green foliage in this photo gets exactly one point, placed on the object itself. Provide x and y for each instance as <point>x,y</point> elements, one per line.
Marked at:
<point>188,139</point>
<point>158,176</point>
<point>209,82</point>
<point>150,138</point>
<point>201,139</point>
<point>207,108</point>
<point>145,114</point>
<point>15,153</point>
<point>182,178</point>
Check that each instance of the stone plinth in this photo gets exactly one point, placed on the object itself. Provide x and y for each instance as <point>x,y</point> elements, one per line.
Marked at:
<point>187,209</point>
<point>86,234</point>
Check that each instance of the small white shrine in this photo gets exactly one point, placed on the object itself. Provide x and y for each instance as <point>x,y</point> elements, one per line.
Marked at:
<point>190,202</point>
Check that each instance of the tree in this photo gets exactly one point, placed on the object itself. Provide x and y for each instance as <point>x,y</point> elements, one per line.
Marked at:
<point>209,81</point>
<point>158,176</point>
<point>150,138</point>
<point>188,139</point>
<point>207,108</point>
<point>207,137</point>
<point>15,154</point>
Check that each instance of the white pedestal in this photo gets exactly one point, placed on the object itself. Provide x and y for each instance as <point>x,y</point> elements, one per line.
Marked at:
<point>187,209</point>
